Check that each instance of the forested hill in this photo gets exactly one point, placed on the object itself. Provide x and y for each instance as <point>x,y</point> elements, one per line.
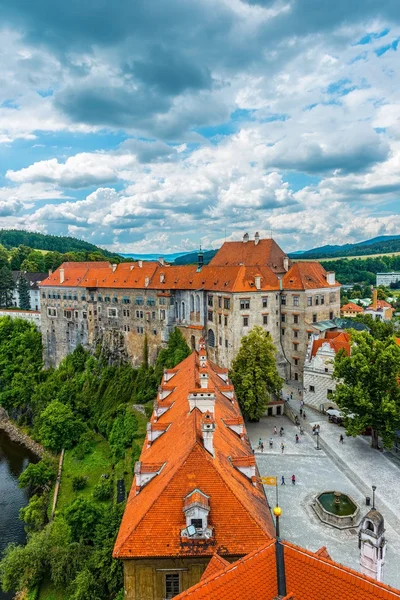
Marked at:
<point>12,238</point>
<point>378,245</point>
<point>192,257</point>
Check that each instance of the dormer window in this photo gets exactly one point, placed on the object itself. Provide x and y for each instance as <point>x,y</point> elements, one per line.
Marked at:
<point>196,507</point>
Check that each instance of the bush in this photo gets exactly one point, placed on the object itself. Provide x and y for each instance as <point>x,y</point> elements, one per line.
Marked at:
<point>85,445</point>
<point>79,482</point>
<point>38,476</point>
<point>102,491</point>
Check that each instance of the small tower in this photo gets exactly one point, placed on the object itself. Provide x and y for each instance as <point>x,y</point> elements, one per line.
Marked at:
<point>200,260</point>
<point>207,430</point>
<point>372,544</point>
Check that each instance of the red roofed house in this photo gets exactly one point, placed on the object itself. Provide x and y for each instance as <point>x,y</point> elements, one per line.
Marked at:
<point>247,283</point>
<point>307,576</point>
<point>196,487</point>
<point>318,367</point>
<point>351,310</point>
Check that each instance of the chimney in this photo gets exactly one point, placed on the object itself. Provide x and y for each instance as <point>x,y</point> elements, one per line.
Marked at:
<point>114,267</point>
<point>286,263</point>
<point>131,267</point>
<point>374,299</point>
<point>330,277</point>
<point>257,281</point>
<point>204,379</point>
<point>50,272</point>
<point>162,278</point>
<point>256,238</point>
<point>245,238</point>
<point>161,261</point>
<point>62,274</point>
<point>200,259</point>
<point>207,429</point>
<point>140,263</point>
<point>146,282</point>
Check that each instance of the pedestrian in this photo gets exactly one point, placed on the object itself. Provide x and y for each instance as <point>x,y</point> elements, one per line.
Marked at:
<point>262,446</point>
<point>287,397</point>
<point>291,395</point>
<point>301,412</point>
<point>297,439</point>
<point>283,480</point>
<point>301,430</point>
<point>282,447</point>
<point>271,442</point>
<point>341,439</point>
<point>304,414</point>
<point>275,430</point>
<point>293,479</point>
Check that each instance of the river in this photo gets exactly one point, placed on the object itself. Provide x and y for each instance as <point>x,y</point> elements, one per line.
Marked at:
<point>13,460</point>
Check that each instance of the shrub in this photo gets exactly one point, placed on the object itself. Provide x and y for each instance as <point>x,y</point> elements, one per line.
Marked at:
<point>79,482</point>
<point>102,491</point>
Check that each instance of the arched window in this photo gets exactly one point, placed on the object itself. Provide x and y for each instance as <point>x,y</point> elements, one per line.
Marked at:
<point>193,342</point>
<point>176,310</point>
<point>197,303</point>
<point>211,338</point>
<point>191,303</point>
<point>183,311</point>
<point>369,525</point>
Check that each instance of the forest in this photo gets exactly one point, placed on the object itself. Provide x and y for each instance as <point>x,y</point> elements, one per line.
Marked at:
<point>361,270</point>
<point>85,406</point>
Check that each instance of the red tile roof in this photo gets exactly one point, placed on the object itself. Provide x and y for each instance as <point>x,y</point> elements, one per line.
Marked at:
<point>154,518</point>
<point>216,564</point>
<point>309,576</point>
<point>265,253</point>
<point>352,307</point>
<point>305,276</point>
<point>337,340</point>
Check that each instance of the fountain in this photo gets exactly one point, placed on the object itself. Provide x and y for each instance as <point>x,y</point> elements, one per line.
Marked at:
<point>336,509</point>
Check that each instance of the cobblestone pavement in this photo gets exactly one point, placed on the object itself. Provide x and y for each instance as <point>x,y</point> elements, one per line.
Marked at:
<point>317,471</point>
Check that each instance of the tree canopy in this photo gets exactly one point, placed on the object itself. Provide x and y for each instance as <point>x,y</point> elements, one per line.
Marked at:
<point>254,373</point>
<point>368,390</point>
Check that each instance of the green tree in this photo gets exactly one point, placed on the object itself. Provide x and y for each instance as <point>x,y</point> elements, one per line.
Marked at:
<point>58,427</point>
<point>368,392</point>
<point>378,329</point>
<point>85,587</point>
<point>254,373</point>
<point>18,255</point>
<point>6,286</point>
<point>24,566</point>
<point>23,293</point>
<point>33,263</point>
<point>34,515</point>
<point>176,351</point>
<point>83,516</point>
<point>122,433</point>
<point>39,476</point>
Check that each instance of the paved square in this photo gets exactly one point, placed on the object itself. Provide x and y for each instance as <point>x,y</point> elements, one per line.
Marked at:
<point>315,472</point>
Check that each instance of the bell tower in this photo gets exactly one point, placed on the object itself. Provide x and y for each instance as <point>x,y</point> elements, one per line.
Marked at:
<point>372,544</point>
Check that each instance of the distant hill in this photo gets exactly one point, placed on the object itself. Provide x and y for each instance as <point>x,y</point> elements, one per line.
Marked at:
<point>12,238</point>
<point>192,257</point>
<point>378,245</point>
<point>168,257</point>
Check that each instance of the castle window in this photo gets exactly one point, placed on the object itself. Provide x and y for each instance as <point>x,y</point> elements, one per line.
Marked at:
<point>151,301</point>
<point>311,388</point>
<point>82,298</point>
<point>296,376</point>
<point>283,318</point>
<point>283,300</point>
<point>226,343</point>
<point>227,303</point>
<point>44,295</point>
<point>210,301</point>
<point>112,312</point>
<point>126,300</point>
<point>172,585</point>
<point>162,315</point>
<point>331,315</point>
<point>265,319</point>
<point>309,300</point>
<point>198,523</point>
<point>322,299</point>
<point>219,302</point>
<point>244,303</point>
<point>210,315</point>
<point>162,300</point>
<point>191,303</point>
<point>314,318</point>
<point>316,300</point>
<point>211,338</point>
<point>220,319</point>
<point>265,302</point>
<point>138,300</point>
<point>296,300</point>
<point>225,321</point>
<point>51,312</point>
<point>295,319</point>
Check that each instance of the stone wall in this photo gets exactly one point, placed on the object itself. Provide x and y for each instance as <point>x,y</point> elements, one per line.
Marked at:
<point>16,435</point>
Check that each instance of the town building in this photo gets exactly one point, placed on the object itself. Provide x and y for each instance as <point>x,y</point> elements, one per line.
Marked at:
<point>379,310</point>
<point>123,307</point>
<point>387,278</point>
<point>351,310</point>
<point>196,488</point>
<point>318,368</point>
<point>280,570</point>
<point>32,316</point>
<point>33,279</point>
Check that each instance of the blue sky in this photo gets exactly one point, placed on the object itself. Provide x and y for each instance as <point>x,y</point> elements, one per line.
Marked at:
<point>149,126</point>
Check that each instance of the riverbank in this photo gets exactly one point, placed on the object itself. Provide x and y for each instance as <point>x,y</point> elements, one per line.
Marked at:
<point>17,435</point>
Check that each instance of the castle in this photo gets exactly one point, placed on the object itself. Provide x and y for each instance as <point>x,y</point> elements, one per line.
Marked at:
<point>127,306</point>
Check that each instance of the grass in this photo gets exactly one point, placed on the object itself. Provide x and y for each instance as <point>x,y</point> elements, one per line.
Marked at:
<point>48,592</point>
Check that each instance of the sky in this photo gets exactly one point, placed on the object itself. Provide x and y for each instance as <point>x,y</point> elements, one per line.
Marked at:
<point>147,126</point>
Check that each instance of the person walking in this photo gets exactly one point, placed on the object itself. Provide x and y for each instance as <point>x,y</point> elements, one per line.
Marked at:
<point>291,395</point>
<point>301,430</point>
<point>297,439</point>
<point>304,414</point>
<point>341,439</point>
<point>271,442</point>
<point>275,430</point>
<point>283,480</point>
<point>262,446</point>
<point>282,447</point>
<point>259,442</point>
<point>293,479</point>
<point>301,412</point>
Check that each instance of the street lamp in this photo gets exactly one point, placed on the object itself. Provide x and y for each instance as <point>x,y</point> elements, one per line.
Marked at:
<point>373,497</point>
<point>277,512</point>
<point>318,447</point>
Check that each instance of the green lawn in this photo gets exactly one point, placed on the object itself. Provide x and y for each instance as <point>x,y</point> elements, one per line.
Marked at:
<point>48,592</point>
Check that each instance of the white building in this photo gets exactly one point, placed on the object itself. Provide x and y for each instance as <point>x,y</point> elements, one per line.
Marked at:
<point>387,278</point>
<point>33,280</point>
<point>318,368</point>
<point>32,316</point>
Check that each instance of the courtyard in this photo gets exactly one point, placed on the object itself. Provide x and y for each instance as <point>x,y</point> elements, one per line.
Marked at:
<point>346,468</point>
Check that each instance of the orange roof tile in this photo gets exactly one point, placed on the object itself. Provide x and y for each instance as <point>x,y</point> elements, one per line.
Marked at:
<point>305,276</point>
<point>337,342</point>
<point>352,307</point>
<point>307,573</point>
<point>239,513</point>
<point>216,564</point>
<point>265,253</point>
